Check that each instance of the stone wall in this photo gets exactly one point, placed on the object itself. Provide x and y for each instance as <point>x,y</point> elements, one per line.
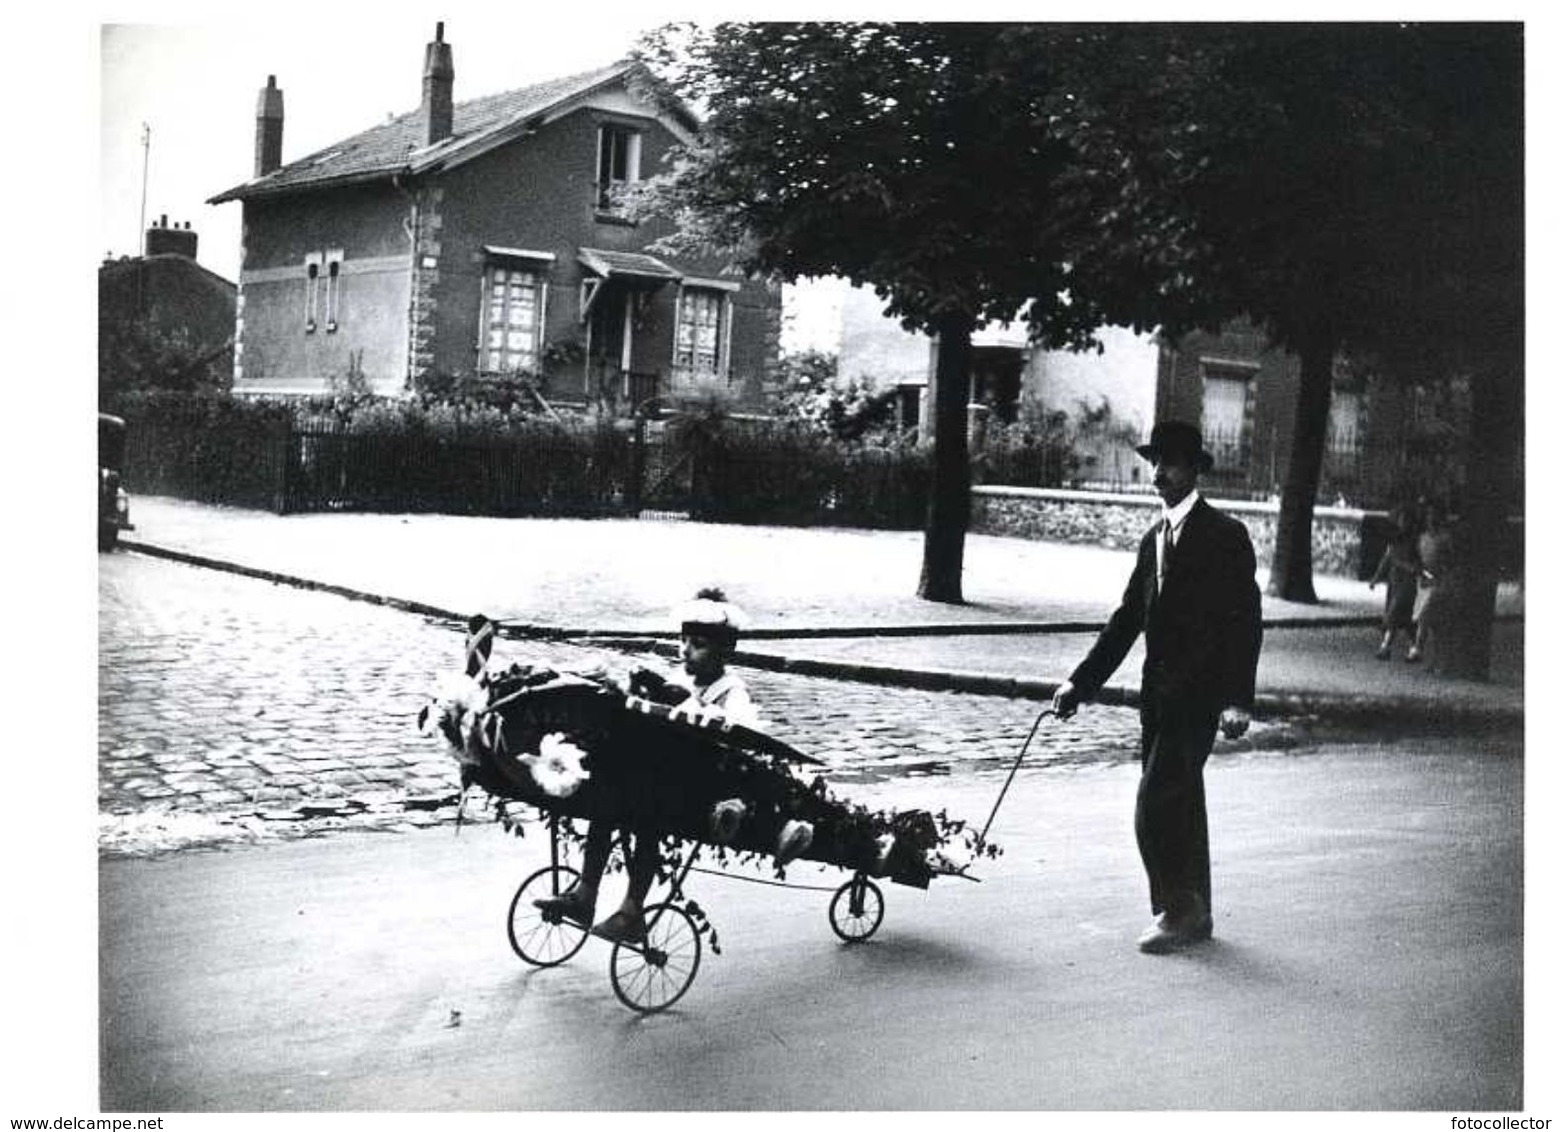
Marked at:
<point>1119,521</point>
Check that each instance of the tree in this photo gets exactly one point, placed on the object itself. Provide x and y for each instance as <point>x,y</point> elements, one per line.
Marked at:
<point>900,156</point>
<point>135,355</point>
<point>1348,188</point>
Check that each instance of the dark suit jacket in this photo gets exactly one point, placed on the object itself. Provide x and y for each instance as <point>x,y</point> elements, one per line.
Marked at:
<point>1202,632</point>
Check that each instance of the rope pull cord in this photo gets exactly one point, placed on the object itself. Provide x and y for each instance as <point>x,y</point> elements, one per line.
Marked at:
<point>981,838</point>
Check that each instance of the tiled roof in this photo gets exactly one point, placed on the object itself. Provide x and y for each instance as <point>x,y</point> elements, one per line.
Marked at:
<point>606,263</point>
<point>394,147</point>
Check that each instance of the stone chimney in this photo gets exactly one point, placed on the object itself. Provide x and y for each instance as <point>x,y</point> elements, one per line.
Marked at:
<point>163,240</point>
<point>437,113</point>
<point>268,128</point>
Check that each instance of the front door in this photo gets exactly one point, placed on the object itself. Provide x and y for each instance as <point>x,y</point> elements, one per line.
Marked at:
<point>611,353</point>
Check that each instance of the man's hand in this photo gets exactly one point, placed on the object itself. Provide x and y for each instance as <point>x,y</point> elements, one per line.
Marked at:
<point>1234,721</point>
<point>1065,701</point>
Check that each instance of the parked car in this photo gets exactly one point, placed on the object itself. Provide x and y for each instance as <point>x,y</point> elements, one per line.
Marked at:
<point>113,502</point>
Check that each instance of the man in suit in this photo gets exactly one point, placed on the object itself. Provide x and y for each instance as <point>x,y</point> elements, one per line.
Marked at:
<point>1193,595</point>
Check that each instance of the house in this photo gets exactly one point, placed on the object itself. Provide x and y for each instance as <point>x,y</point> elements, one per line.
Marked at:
<point>165,295</point>
<point>1006,371</point>
<point>489,239</point>
<point>1384,438</point>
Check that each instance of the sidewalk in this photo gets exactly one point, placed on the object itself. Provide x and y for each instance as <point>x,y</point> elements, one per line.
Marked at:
<point>823,601</point>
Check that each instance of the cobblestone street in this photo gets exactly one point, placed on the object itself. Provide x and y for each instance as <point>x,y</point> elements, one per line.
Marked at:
<point>232,709</point>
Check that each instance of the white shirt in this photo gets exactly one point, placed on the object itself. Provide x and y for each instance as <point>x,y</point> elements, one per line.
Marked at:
<point>727,694</point>
<point>1173,518</point>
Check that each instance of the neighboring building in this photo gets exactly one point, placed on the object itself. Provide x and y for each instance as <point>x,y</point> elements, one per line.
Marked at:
<point>485,239</point>
<point>1386,440</point>
<point>1006,373</point>
<point>167,292</point>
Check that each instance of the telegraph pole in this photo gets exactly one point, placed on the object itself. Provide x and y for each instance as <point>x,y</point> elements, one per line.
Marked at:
<point>146,157</point>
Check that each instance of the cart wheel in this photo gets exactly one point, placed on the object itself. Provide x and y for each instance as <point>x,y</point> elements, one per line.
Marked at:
<point>540,939</point>
<point>857,909</point>
<point>652,976</point>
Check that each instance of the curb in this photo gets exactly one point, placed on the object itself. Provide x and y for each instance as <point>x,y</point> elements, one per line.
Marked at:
<point>1352,708</point>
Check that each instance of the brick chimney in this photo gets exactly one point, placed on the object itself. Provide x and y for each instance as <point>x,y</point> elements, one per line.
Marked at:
<point>268,128</point>
<point>437,113</point>
<point>163,240</point>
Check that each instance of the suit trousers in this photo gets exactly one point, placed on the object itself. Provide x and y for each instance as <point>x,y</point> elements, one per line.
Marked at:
<point>1170,819</point>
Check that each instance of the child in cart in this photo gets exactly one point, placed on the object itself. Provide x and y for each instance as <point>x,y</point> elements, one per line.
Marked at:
<point>708,635</point>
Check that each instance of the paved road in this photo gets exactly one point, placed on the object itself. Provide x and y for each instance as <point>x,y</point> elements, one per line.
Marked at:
<point>1369,900</point>
<point>232,709</point>
<point>1368,957</point>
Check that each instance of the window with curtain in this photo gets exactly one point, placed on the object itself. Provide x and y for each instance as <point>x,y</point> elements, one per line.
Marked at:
<point>699,335</point>
<point>618,164</point>
<point>1344,422</point>
<point>512,322</point>
<point>1226,420</point>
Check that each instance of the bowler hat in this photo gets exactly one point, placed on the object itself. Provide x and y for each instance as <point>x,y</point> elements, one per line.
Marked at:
<point>1172,439</point>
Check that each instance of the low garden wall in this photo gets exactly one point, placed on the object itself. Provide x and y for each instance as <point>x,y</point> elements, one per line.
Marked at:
<point>1343,538</point>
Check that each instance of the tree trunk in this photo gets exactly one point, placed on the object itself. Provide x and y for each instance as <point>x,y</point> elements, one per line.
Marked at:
<point>949,500</point>
<point>1496,420</point>
<point>1291,571</point>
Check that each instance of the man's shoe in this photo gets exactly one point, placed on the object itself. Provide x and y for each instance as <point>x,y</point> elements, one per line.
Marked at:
<point>1168,934</point>
<point>621,927</point>
<point>571,906</point>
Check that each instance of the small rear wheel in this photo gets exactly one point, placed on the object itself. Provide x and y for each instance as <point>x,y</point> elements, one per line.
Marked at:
<point>541,938</point>
<point>652,976</point>
<point>857,909</point>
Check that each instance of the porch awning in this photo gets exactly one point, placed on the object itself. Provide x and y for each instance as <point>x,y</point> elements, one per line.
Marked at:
<point>630,267</point>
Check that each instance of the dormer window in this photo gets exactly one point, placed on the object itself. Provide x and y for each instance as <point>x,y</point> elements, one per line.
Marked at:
<point>618,164</point>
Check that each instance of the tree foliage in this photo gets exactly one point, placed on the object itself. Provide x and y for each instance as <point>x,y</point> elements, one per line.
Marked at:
<point>1345,187</point>
<point>814,395</point>
<point>898,156</point>
<point>135,355</point>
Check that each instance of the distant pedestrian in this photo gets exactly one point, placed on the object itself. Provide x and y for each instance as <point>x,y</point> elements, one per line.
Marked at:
<point>1436,581</point>
<point>1193,596</point>
<point>1399,568</point>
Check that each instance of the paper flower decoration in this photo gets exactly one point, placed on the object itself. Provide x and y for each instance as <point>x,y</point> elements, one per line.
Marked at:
<point>556,767</point>
<point>725,819</point>
<point>452,712</point>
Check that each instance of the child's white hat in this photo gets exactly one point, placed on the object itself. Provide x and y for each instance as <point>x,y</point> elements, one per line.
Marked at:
<point>710,610</point>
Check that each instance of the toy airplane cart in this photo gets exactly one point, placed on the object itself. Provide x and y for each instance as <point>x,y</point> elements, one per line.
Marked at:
<point>582,746</point>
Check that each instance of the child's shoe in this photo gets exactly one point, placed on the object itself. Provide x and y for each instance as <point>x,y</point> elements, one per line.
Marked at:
<point>622,927</point>
<point>574,906</point>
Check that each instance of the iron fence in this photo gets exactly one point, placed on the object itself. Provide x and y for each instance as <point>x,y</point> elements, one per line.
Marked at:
<point>543,472</point>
